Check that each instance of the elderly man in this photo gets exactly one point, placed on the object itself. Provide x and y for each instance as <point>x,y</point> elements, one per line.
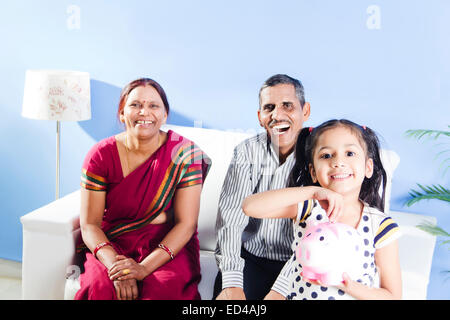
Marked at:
<point>253,254</point>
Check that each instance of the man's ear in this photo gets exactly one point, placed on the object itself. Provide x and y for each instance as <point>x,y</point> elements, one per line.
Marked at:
<point>312,172</point>
<point>306,110</point>
<point>369,168</point>
<point>259,118</point>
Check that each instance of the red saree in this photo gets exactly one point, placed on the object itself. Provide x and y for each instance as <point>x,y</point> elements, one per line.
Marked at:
<point>131,204</point>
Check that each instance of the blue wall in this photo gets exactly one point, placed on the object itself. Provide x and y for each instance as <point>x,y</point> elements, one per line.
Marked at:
<point>381,63</point>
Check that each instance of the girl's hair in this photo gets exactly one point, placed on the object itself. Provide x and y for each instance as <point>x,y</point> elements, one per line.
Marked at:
<point>304,150</point>
<point>138,83</point>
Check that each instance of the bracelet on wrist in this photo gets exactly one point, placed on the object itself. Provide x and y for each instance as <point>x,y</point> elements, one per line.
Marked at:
<point>101,245</point>
<point>169,252</point>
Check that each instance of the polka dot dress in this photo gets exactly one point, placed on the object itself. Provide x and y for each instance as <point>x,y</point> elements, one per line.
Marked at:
<point>368,228</point>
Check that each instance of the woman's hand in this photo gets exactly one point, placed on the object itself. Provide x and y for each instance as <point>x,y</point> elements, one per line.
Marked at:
<point>332,202</point>
<point>126,289</point>
<point>126,269</point>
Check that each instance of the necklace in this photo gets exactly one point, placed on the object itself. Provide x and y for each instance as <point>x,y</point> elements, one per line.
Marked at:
<point>127,149</point>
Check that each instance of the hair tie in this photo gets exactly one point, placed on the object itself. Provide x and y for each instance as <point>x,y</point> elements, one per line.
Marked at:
<point>364,127</point>
<point>311,129</point>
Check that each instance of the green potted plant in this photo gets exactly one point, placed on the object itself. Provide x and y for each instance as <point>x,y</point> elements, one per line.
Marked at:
<point>434,191</point>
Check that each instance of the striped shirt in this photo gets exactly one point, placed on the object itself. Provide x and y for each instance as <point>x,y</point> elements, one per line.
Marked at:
<point>254,168</point>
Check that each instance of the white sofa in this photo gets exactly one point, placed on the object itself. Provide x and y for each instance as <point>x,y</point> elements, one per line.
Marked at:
<point>50,271</point>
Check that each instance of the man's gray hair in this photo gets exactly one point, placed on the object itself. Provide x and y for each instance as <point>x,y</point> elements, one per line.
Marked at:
<point>285,79</point>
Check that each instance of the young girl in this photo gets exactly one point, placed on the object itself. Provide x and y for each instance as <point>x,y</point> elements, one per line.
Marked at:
<point>337,177</point>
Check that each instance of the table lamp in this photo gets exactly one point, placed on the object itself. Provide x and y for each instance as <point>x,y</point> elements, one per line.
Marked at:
<point>57,95</point>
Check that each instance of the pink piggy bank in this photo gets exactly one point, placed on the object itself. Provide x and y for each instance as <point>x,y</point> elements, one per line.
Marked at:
<point>327,250</point>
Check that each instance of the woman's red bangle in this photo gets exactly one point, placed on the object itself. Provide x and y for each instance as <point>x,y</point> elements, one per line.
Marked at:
<point>169,252</point>
<point>101,245</point>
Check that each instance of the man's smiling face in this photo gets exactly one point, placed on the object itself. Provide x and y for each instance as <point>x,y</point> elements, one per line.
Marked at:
<point>282,116</point>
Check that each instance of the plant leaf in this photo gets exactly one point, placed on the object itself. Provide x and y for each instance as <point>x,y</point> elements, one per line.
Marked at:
<point>437,192</point>
<point>420,133</point>
<point>433,229</point>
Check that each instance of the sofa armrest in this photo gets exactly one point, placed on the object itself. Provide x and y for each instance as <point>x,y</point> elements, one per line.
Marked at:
<point>416,249</point>
<point>209,271</point>
<point>49,237</point>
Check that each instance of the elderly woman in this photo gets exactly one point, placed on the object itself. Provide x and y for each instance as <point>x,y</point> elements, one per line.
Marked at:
<point>140,200</point>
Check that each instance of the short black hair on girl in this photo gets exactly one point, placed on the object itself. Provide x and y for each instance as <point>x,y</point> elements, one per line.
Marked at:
<point>306,143</point>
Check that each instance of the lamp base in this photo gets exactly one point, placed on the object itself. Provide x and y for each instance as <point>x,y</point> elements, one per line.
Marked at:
<point>58,129</point>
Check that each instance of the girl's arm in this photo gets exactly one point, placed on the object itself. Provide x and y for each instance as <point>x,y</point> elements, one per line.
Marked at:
<point>388,265</point>
<point>283,203</point>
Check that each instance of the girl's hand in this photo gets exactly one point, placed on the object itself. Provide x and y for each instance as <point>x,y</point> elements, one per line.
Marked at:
<point>316,282</point>
<point>125,269</point>
<point>332,202</point>
<point>348,285</point>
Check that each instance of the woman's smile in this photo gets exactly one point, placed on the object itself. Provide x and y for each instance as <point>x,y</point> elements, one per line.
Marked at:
<point>143,123</point>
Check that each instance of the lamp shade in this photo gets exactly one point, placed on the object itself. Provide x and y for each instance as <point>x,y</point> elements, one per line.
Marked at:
<point>56,95</point>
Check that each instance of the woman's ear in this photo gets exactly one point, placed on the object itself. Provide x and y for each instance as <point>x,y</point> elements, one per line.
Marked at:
<point>312,172</point>
<point>121,117</point>
<point>369,168</point>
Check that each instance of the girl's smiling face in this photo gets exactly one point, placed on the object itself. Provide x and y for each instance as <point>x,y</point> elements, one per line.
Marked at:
<point>339,161</point>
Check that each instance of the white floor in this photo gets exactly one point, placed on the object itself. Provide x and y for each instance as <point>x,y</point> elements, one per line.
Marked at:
<point>10,280</point>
